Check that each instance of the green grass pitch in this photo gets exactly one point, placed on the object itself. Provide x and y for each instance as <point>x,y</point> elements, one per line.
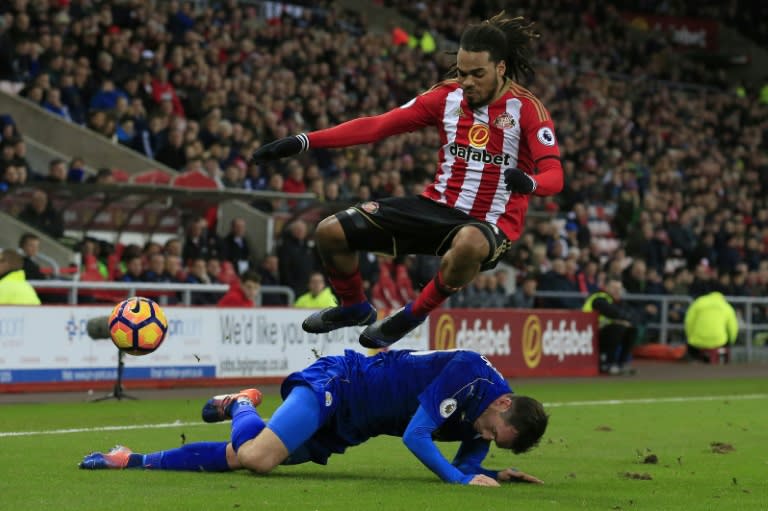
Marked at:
<point>592,457</point>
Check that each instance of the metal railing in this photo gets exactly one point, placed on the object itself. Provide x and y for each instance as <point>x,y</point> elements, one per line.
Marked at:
<point>744,305</point>
<point>73,287</point>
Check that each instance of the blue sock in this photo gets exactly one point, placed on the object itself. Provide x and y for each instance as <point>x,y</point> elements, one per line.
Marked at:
<point>196,457</point>
<point>246,423</point>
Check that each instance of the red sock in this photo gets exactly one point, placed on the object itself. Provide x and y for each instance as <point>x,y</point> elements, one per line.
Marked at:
<point>430,298</point>
<point>349,288</point>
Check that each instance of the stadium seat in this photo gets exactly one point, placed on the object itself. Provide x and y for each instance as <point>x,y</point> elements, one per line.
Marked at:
<point>120,176</point>
<point>154,176</point>
<point>194,179</point>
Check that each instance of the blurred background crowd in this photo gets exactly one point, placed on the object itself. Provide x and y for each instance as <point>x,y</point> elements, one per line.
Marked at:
<point>664,153</point>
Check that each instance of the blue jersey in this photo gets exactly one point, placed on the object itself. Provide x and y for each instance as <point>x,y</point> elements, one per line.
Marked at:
<point>362,397</point>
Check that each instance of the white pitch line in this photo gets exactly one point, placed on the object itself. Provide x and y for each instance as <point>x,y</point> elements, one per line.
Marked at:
<point>604,402</point>
<point>655,400</point>
<point>101,428</point>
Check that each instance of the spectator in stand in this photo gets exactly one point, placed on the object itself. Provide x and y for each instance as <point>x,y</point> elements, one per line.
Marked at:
<point>270,276</point>
<point>524,296</point>
<point>174,270</point>
<point>388,291</point>
<point>172,247</point>
<point>473,295</point>
<point>319,294</point>
<point>618,322</point>
<point>275,184</point>
<point>197,274</point>
<point>93,259</point>
<point>14,288</point>
<point>557,280</point>
<point>8,153</point>
<point>296,257</point>
<point>155,271</point>
<point>233,175</point>
<point>255,180</point>
<point>9,177</point>
<point>198,242</point>
<point>243,292</point>
<point>103,176</point>
<point>41,215</point>
<point>151,248</point>
<point>134,270</point>
<point>57,171</point>
<point>497,289</point>
<point>213,267</point>
<point>76,172</point>
<point>29,246</point>
<point>294,180</point>
<point>173,153</point>
<point>235,247</point>
<point>54,104</point>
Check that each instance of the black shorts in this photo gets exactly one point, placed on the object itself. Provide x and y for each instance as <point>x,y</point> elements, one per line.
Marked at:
<point>413,225</point>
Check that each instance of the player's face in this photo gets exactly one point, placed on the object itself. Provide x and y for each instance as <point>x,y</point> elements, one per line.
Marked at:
<point>479,76</point>
<point>492,426</point>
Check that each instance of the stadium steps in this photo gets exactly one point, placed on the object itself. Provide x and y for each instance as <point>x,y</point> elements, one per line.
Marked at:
<point>12,229</point>
<point>49,136</point>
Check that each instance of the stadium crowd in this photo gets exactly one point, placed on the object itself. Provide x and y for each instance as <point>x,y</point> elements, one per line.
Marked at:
<point>665,182</point>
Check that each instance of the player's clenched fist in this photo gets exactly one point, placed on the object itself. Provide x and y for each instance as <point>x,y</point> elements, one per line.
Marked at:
<point>518,181</point>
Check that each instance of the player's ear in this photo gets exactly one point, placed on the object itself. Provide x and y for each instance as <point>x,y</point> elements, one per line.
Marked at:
<point>503,403</point>
<point>501,68</point>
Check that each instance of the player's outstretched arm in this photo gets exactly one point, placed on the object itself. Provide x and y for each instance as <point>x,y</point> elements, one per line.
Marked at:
<point>418,438</point>
<point>412,116</point>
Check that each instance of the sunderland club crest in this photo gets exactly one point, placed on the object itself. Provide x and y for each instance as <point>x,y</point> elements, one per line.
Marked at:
<point>504,121</point>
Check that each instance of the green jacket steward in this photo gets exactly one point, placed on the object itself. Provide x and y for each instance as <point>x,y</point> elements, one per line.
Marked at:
<point>711,322</point>
<point>324,299</point>
<point>588,306</point>
<point>15,290</point>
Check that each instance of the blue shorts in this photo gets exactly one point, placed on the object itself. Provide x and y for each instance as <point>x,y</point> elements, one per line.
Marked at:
<point>325,379</point>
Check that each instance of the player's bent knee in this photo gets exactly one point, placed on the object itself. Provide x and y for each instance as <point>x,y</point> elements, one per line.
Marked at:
<point>263,453</point>
<point>471,243</point>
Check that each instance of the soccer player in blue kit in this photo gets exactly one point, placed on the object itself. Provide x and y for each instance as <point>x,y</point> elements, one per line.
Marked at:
<point>342,401</point>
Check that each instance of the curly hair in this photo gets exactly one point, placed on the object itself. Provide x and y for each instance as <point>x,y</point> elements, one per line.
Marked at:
<point>504,38</point>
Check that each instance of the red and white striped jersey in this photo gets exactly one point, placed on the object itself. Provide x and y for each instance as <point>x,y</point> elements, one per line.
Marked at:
<point>477,147</point>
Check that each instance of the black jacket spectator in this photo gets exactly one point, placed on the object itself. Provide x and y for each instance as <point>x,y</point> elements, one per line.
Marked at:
<point>235,247</point>
<point>41,215</point>
<point>297,260</point>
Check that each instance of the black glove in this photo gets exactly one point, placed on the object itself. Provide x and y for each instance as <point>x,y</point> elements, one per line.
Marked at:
<point>287,146</point>
<point>518,181</point>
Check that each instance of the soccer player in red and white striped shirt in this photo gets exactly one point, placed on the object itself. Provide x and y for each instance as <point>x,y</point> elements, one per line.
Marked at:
<point>498,146</point>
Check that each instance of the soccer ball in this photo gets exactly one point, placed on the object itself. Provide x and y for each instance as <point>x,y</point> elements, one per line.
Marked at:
<point>137,326</point>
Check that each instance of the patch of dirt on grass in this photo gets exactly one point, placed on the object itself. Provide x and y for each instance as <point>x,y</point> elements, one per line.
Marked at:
<point>645,476</point>
<point>721,447</point>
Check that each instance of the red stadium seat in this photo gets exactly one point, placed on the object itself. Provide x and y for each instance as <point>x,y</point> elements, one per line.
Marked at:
<point>154,176</point>
<point>194,179</point>
<point>120,176</point>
